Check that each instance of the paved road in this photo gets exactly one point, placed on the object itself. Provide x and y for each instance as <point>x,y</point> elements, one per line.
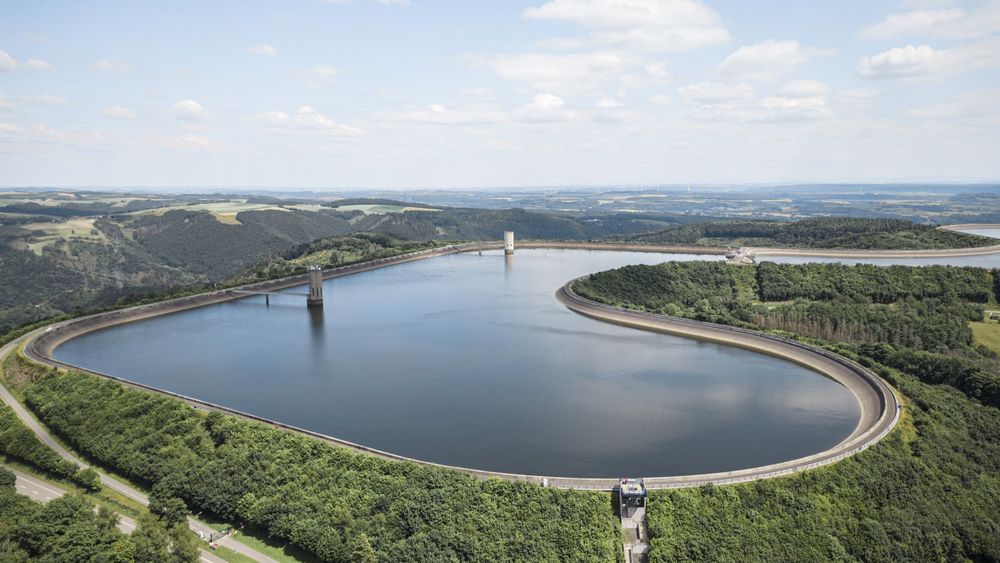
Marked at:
<point>41,491</point>
<point>109,481</point>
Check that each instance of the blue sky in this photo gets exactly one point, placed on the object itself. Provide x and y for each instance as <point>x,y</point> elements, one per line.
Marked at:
<point>383,94</point>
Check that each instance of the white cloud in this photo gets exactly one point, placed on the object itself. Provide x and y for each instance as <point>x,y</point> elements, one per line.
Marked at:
<point>192,143</point>
<point>954,23</point>
<point>547,107</point>
<point>901,61</point>
<point>306,118</point>
<point>263,50</point>
<point>656,25</point>
<point>383,2</point>
<point>563,73</point>
<point>453,115</point>
<point>656,71</point>
<point>318,76</point>
<point>190,110</point>
<point>712,92</point>
<point>803,89</point>
<point>38,64</point>
<point>8,62</point>
<point>782,108</point>
<point>547,102</point>
<point>767,60</point>
<point>111,66</point>
<point>46,99</point>
<point>979,105</point>
<point>924,60</point>
<point>118,112</point>
<point>608,103</point>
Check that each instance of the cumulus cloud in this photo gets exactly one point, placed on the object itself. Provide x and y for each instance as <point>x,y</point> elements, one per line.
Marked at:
<point>118,112</point>
<point>306,118</point>
<point>924,60</point>
<point>655,25</point>
<point>953,23</point>
<point>798,108</point>
<point>609,103</point>
<point>111,66</point>
<point>263,50</point>
<point>798,100</point>
<point>190,110</point>
<point>767,60</point>
<point>901,61</point>
<point>712,92</point>
<point>8,62</point>
<point>547,107</point>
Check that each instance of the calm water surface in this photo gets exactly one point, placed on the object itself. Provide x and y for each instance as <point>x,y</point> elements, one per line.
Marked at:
<point>469,360</point>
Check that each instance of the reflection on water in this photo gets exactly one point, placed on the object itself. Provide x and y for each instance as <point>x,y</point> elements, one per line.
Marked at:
<point>470,360</point>
<point>992,233</point>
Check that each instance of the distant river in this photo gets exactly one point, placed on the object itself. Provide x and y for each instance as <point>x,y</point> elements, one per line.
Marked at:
<point>469,360</point>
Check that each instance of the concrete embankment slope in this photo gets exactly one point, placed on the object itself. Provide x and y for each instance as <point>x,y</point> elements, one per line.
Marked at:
<point>878,405</point>
<point>48,339</point>
<point>862,254</point>
<point>877,401</point>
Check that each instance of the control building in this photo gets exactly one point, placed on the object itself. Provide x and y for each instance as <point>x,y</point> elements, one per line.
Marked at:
<point>508,243</point>
<point>315,297</point>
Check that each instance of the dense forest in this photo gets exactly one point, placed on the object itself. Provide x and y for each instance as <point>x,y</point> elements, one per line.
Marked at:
<point>916,307</point>
<point>148,254</point>
<point>71,528</point>
<point>326,500</point>
<point>820,232</point>
<point>928,491</point>
<point>18,442</point>
<point>180,248</point>
<point>90,275</point>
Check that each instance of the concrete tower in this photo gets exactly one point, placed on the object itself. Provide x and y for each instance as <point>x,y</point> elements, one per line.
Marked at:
<point>508,242</point>
<point>315,297</point>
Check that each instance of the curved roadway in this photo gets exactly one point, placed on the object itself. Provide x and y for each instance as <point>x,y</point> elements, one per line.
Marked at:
<point>107,480</point>
<point>878,404</point>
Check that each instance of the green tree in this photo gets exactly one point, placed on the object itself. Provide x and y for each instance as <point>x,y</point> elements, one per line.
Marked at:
<point>7,479</point>
<point>88,479</point>
<point>361,549</point>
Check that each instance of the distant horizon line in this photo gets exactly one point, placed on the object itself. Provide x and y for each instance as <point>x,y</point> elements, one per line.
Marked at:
<point>714,186</point>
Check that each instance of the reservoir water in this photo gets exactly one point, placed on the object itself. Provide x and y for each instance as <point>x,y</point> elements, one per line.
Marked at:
<point>469,360</point>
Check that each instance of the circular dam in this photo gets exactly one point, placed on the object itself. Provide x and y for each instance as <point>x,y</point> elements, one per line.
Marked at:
<point>475,362</point>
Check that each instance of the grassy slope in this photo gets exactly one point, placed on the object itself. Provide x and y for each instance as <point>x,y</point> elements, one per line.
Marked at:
<point>987,333</point>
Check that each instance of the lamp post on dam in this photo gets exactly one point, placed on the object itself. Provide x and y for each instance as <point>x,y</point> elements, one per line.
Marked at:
<point>315,296</point>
